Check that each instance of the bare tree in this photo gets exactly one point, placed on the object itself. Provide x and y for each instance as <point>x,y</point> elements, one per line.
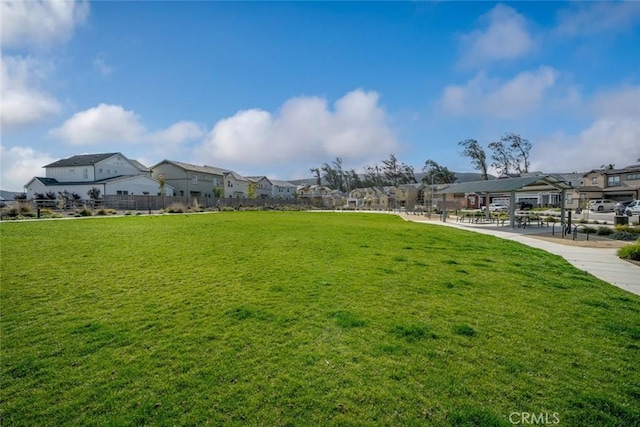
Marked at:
<point>502,158</point>
<point>316,172</point>
<point>520,148</point>
<point>472,149</point>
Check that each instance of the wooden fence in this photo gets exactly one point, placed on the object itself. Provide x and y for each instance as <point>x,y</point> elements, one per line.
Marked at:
<point>140,203</point>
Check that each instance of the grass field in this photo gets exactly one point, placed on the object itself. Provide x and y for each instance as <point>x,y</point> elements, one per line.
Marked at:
<point>270,318</point>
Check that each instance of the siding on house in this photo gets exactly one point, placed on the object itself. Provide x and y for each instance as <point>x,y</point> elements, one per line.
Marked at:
<point>188,179</point>
<point>91,167</point>
<point>235,185</point>
<point>111,173</point>
<point>264,186</point>
<point>283,189</point>
<point>122,185</point>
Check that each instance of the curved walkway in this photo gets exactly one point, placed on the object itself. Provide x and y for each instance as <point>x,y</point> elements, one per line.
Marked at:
<point>602,263</point>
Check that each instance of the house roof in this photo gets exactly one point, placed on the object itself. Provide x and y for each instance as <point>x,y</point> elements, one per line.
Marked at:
<point>49,182</point>
<point>194,168</point>
<point>533,183</point>
<point>280,183</point>
<point>81,160</point>
<point>139,166</point>
<point>258,178</point>
<point>236,176</point>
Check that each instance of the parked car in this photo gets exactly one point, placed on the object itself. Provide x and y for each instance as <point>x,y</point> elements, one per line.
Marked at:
<point>633,208</point>
<point>621,207</point>
<point>497,207</point>
<point>523,205</point>
<point>602,205</point>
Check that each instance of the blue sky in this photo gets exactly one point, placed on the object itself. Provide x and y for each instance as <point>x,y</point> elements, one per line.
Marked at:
<point>274,88</point>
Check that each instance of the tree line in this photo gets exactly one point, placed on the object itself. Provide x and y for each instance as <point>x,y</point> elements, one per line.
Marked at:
<point>509,154</point>
<point>389,172</point>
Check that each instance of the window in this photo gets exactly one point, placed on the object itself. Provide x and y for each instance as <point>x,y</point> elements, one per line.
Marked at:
<point>229,184</point>
<point>613,181</point>
<point>633,176</point>
<point>85,173</point>
<point>194,179</point>
<point>569,198</point>
<point>100,170</point>
<point>594,180</point>
<point>122,192</point>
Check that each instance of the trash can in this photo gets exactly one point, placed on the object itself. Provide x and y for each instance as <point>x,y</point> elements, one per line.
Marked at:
<point>621,220</point>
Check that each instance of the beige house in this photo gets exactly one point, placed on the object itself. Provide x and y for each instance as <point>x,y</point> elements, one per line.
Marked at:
<point>616,184</point>
<point>373,198</point>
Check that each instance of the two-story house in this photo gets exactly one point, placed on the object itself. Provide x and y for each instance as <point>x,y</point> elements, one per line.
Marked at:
<point>616,184</point>
<point>282,189</point>
<point>235,185</point>
<point>262,186</point>
<point>111,173</point>
<point>191,180</point>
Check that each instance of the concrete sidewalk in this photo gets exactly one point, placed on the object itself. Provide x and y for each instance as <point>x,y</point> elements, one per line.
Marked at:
<point>602,263</point>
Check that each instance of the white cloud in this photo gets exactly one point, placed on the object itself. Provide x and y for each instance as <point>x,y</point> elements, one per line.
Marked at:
<point>40,22</point>
<point>169,140</point>
<point>111,124</point>
<point>612,138</point>
<point>19,165</point>
<point>22,100</point>
<point>101,124</point>
<point>304,129</point>
<point>482,96</point>
<point>584,18</point>
<point>504,36</point>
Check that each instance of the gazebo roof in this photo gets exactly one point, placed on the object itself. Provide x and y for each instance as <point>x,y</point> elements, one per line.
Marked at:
<point>532,183</point>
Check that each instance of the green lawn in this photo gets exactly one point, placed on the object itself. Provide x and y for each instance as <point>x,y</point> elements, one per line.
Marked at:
<point>272,318</point>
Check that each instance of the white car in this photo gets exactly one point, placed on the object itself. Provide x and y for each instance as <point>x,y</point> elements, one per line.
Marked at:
<point>497,207</point>
<point>633,208</point>
<point>602,205</point>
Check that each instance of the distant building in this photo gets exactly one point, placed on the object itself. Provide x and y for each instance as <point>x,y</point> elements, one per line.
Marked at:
<point>111,173</point>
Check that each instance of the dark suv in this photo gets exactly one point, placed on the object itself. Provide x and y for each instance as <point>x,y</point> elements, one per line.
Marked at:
<point>523,205</point>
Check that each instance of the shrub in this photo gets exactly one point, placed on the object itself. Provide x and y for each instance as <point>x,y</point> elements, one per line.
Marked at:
<point>631,252</point>
<point>20,209</point>
<point>585,229</point>
<point>177,208</point>
<point>604,231</point>
<point>627,228</point>
<point>85,212</point>
<point>102,212</point>
<point>623,235</point>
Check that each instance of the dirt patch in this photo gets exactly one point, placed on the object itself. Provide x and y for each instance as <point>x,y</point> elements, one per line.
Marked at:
<point>581,241</point>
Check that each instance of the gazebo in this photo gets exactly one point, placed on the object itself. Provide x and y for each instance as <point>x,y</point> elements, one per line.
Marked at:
<point>511,186</point>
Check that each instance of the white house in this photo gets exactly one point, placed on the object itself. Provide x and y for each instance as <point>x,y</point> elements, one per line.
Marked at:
<point>111,173</point>
<point>235,185</point>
